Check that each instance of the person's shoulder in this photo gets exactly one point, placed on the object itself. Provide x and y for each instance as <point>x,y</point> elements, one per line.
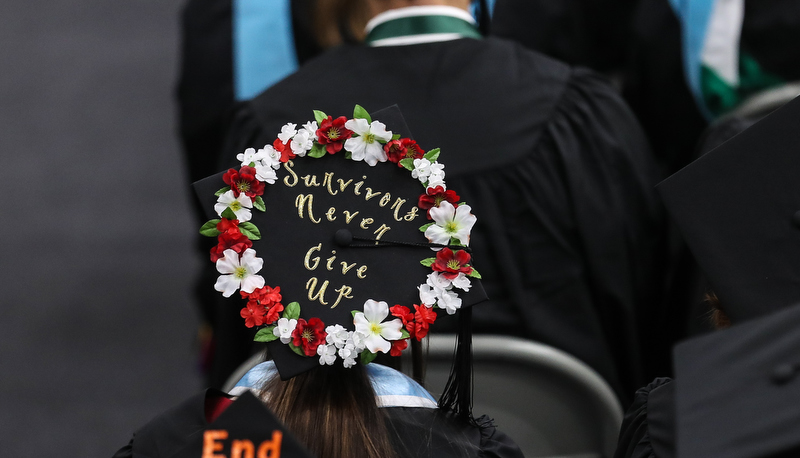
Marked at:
<point>168,432</point>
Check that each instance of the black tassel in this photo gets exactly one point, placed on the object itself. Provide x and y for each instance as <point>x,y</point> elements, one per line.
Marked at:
<point>457,395</point>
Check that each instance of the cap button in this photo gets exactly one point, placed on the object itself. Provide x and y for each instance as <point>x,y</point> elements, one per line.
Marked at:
<point>343,237</point>
<point>782,373</point>
<point>796,218</point>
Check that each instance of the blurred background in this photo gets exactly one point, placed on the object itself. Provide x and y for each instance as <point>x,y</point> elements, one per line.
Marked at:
<point>96,230</point>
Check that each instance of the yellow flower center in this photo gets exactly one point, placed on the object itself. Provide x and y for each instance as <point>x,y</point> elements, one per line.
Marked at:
<point>240,272</point>
<point>333,133</point>
<point>453,264</point>
<point>243,186</point>
<point>307,335</point>
<point>369,138</point>
<point>235,206</point>
<point>375,328</point>
<point>451,227</point>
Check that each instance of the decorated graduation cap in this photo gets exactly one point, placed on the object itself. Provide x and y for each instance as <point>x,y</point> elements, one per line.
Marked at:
<point>738,207</point>
<point>738,390</point>
<point>247,428</point>
<point>340,240</point>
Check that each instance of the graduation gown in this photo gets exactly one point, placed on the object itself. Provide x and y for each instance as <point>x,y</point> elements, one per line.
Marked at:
<point>556,167</point>
<point>648,429</point>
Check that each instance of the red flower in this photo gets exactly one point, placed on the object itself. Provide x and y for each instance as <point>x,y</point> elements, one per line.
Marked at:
<point>308,335</point>
<point>424,317</point>
<point>398,346</point>
<point>450,263</point>
<point>253,314</point>
<point>244,181</point>
<point>406,316</point>
<point>225,225</point>
<point>332,134</point>
<point>267,298</point>
<point>285,150</point>
<point>230,239</point>
<point>434,196</point>
<point>404,148</point>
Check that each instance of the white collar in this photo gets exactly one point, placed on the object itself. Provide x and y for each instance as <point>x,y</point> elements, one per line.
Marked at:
<point>423,10</point>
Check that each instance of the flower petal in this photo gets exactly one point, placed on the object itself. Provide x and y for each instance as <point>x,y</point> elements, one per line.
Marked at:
<point>376,343</point>
<point>375,311</point>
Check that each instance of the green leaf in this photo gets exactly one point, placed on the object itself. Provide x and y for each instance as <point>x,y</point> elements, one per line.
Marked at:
<point>320,116</point>
<point>367,357</point>
<point>209,229</point>
<point>432,155</point>
<point>348,155</point>
<point>425,227</point>
<point>292,311</point>
<point>353,312</point>
<point>258,203</point>
<point>408,163</point>
<point>475,274</point>
<point>428,262</point>
<point>360,112</point>
<point>228,214</point>
<point>296,349</point>
<point>317,151</point>
<point>252,164</point>
<point>250,230</point>
<point>265,335</point>
<point>396,137</point>
<point>404,334</point>
<point>222,191</point>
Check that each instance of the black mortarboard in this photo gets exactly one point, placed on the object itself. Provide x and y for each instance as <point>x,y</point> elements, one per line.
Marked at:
<point>738,390</point>
<point>248,426</point>
<point>323,215</point>
<point>738,207</point>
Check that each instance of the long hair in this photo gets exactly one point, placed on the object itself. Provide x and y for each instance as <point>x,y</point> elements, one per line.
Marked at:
<point>332,411</point>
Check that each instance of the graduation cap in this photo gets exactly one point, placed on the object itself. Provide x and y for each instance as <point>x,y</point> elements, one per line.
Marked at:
<point>738,208</point>
<point>246,429</point>
<point>326,230</point>
<point>738,390</point>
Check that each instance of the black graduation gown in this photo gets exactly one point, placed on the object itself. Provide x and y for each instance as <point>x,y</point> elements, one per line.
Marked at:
<point>648,429</point>
<point>414,432</point>
<point>569,228</point>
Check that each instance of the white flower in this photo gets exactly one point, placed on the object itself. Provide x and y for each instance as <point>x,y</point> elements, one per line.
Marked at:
<point>357,340</point>
<point>265,173</point>
<point>437,280</point>
<point>239,272</point>
<point>422,169</point>
<point>449,301</point>
<point>367,145</point>
<point>240,206</point>
<point>284,329</point>
<point>302,142</point>
<point>249,156</point>
<point>287,132</point>
<point>337,335</point>
<point>311,127</point>
<point>436,179</point>
<point>378,333</point>
<point>427,295</point>
<point>272,157</point>
<point>462,282</point>
<point>450,222</point>
<point>327,354</point>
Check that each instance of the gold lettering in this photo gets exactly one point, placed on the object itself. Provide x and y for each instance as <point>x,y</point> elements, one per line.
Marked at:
<point>357,189</point>
<point>348,217</point>
<point>211,443</point>
<point>271,448</point>
<point>243,447</point>
<point>346,268</point>
<point>361,272</point>
<point>412,214</point>
<point>308,257</point>
<point>286,180</point>
<point>385,199</point>
<point>343,184</point>
<point>396,207</point>
<point>308,201</point>
<point>311,285</point>
<point>344,292</point>
<point>330,214</point>
<point>310,180</point>
<point>380,231</point>
<point>330,261</point>
<point>365,222</point>
<point>327,182</point>
<point>371,194</point>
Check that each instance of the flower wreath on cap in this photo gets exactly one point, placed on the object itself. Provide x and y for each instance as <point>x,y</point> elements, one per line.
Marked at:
<point>362,140</point>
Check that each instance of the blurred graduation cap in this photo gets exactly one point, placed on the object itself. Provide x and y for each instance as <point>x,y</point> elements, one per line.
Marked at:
<point>738,208</point>
<point>319,238</point>
<point>245,429</point>
<point>738,390</point>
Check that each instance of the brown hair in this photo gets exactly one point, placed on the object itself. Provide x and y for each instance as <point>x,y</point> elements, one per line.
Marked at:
<point>332,411</point>
<point>338,21</point>
<point>717,316</point>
